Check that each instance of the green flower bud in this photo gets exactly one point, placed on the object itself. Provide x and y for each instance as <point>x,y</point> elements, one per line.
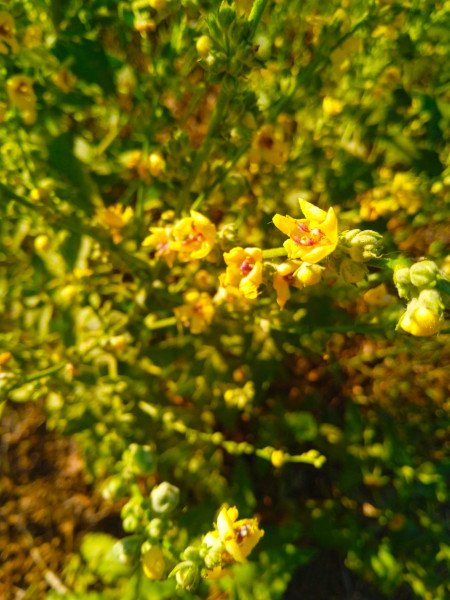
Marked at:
<point>187,575</point>
<point>213,557</point>
<point>190,553</point>
<point>155,529</point>
<point>346,237</point>
<point>226,15</point>
<point>424,273</point>
<point>352,272</point>
<point>130,523</point>
<point>402,281</point>
<point>432,300</point>
<point>164,498</point>
<point>140,459</point>
<point>365,245</point>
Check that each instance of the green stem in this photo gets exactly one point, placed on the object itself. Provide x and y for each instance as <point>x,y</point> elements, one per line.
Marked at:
<point>274,253</point>
<point>45,373</point>
<point>169,322</point>
<point>255,15</point>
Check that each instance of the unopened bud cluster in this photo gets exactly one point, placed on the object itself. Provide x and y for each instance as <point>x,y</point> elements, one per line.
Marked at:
<point>358,247</point>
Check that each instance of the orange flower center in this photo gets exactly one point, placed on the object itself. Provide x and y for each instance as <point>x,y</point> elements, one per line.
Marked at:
<point>304,236</point>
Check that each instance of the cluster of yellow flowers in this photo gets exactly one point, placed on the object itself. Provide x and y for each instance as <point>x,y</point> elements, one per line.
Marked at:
<point>398,191</point>
<point>190,238</point>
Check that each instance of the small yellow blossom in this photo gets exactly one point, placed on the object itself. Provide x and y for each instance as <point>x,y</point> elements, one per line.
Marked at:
<point>238,537</point>
<point>293,273</point>
<point>420,321</point>
<point>193,237</point>
<point>32,37</point>
<point>244,271</point>
<point>378,296</point>
<point>269,146</point>
<point>153,563</point>
<point>331,106</point>
<point>21,95</point>
<point>159,239</point>
<point>312,238</point>
<point>278,458</point>
<point>198,311</point>
<point>115,218</point>
<point>7,37</point>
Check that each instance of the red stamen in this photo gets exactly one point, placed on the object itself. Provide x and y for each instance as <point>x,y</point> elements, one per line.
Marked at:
<point>246,267</point>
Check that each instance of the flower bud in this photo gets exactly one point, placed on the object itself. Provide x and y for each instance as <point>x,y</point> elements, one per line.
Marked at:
<point>203,45</point>
<point>308,274</point>
<point>423,273</point>
<point>352,272</point>
<point>278,458</point>
<point>41,243</point>
<point>153,563</point>
<point>362,245</point>
<point>164,498</point>
<point>187,575</point>
<point>155,528</point>
<point>402,281</point>
<point>423,314</point>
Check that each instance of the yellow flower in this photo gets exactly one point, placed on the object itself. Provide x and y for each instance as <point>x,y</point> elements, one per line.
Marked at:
<point>378,296</point>
<point>312,238</point>
<point>159,239</point>
<point>153,563</point>
<point>268,146</point>
<point>197,313</point>
<point>115,218</point>
<point>420,321</point>
<point>7,38</point>
<point>238,537</point>
<point>32,37</point>
<point>193,237</point>
<point>331,106</point>
<point>244,271</point>
<point>21,95</point>
<point>299,275</point>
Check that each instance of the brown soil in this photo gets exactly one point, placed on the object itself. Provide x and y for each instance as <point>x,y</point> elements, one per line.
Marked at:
<point>45,504</point>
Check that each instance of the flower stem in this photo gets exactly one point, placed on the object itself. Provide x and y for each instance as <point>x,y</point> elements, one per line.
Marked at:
<point>169,322</point>
<point>274,253</point>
